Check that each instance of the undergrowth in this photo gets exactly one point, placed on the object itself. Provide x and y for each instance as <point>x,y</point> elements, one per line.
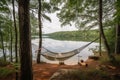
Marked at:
<point>92,74</point>
<point>7,68</point>
<point>4,72</point>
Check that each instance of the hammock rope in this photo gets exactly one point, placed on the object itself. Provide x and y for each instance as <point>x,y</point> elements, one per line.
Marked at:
<point>50,55</point>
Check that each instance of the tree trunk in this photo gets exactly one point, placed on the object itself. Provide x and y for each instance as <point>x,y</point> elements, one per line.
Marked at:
<point>100,44</point>
<point>117,50</point>
<point>25,40</point>
<point>102,32</point>
<point>117,39</point>
<point>2,43</point>
<point>16,37</point>
<point>40,33</point>
<point>11,41</point>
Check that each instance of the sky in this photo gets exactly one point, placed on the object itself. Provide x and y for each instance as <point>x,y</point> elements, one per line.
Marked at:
<point>55,25</point>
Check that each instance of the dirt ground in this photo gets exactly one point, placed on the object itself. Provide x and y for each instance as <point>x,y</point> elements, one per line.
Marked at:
<point>45,70</point>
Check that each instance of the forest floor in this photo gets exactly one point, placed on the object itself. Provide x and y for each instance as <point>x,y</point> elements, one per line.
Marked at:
<point>45,70</point>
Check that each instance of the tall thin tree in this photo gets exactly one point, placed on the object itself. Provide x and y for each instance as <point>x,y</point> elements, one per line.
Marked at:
<point>2,43</point>
<point>100,44</point>
<point>102,32</point>
<point>11,43</point>
<point>16,37</point>
<point>40,33</point>
<point>25,40</point>
<point>117,48</point>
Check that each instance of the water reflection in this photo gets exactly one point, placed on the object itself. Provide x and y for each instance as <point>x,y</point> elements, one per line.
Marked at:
<point>65,46</point>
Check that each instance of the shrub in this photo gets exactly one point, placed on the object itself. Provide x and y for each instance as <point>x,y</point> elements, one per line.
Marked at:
<point>4,72</point>
<point>3,63</point>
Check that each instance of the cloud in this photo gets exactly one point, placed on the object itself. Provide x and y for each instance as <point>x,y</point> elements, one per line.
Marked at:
<point>55,25</point>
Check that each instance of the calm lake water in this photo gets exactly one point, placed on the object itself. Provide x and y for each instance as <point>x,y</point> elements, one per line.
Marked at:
<point>64,46</point>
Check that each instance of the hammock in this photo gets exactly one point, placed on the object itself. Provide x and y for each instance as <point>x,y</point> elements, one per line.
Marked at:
<point>63,56</point>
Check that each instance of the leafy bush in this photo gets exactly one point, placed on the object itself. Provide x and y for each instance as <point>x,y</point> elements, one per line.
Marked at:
<point>3,63</point>
<point>110,33</point>
<point>90,74</point>
<point>4,72</point>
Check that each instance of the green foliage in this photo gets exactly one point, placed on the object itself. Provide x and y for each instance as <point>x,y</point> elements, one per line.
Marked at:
<point>3,63</point>
<point>84,13</point>
<point>5,26</point>
<point>104,59</point>
<point>92,74</point>
<point>110,34</point>
<point>74,35</point>
<point>45,8</point>
<point>116,62</point>
<point>100,74</point>
<point>7,68</point>
<point>118,58</point>
<point>4,72</point>
<point>16,65</point>
<point>3,6</point>
<point>117,13</point>
<point>46,17</point>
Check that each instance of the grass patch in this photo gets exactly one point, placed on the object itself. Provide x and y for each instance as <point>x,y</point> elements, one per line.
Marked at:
<point>117,63</point>
<point>95,74</point>
<point>3,63</point>
<point>117,58</point>
<point>7,68</point>
<point>4,72</point>
<point>91,74</point>
<point>104,59</point>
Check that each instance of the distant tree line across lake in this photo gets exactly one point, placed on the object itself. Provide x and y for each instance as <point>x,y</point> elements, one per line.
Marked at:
<point>78,35</point>
<point>82,35</point>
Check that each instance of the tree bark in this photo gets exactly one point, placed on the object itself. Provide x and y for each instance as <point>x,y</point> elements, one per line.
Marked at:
<point>11,43</point>
<point>101,27</point>
<point>102,33</point>
<point>2,43</point>
<point>100,44</point>
<point>25,40</point>
<point>117,50</point>
<point>16,37</point>
<point>117,47</point>
<point>40,33</point>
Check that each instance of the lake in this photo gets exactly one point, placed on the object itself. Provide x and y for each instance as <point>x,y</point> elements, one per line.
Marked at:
<point>64,46</point>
